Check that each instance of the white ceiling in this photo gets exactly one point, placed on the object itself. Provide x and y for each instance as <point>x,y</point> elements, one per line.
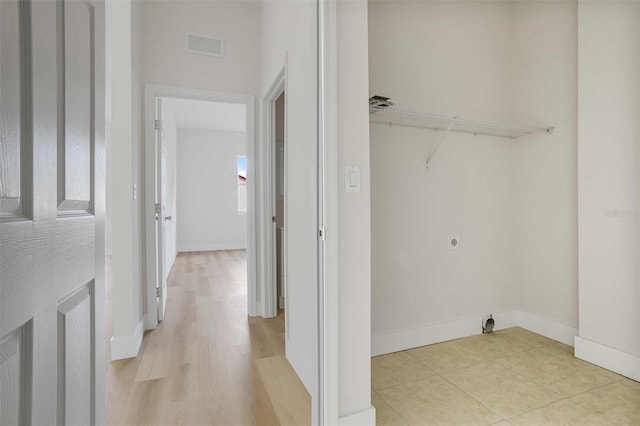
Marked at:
<point>207,115</point>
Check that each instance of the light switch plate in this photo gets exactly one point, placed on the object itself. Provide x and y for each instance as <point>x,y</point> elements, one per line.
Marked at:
<point>352,179</point>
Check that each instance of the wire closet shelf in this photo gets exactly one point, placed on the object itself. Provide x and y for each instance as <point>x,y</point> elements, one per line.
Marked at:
<point>393,116</point>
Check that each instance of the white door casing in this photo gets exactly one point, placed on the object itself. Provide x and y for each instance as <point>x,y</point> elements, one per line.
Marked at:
<point>328,247</point>
<point>152,167</point>
<point>52,200</point>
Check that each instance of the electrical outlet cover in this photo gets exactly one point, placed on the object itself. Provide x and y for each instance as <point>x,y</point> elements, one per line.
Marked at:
<point>453,242</point>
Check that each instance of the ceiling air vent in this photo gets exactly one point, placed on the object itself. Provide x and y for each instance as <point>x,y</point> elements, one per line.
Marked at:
<point>204,45</point>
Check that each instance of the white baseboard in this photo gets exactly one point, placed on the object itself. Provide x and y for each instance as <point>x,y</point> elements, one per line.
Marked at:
<point>150,322</point>
<point>604,356</point>
<point>171,262</point>
<point>547,328</point>
<point>395,341</point>
<point>303,368</point>
<point>123,347</point>
<point>212,247</point>
<point>506,319</point>
<point>361,418</point>
<point>401,340</point>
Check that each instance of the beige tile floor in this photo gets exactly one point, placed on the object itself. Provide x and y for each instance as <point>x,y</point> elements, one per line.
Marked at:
<point>510,377</point>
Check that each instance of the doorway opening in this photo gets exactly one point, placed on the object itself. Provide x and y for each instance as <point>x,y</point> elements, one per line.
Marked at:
<point>202,177</point>
<point>274,160</point>
<point>278,197</point>
<point>199,153</point>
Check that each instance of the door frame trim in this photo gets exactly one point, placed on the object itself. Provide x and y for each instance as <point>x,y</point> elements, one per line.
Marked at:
<point>153,91</point>
<point>268,195</point>
<point>328,248</point>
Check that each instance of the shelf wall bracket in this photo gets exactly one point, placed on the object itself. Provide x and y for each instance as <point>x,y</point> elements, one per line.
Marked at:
<point>442,138</point>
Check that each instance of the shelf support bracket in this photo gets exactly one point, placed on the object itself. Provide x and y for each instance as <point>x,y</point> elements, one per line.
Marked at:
<point>430,157</point>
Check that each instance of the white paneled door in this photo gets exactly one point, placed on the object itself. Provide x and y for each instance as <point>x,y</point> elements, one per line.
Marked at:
<point>52,212</point>
<point>162,213</point>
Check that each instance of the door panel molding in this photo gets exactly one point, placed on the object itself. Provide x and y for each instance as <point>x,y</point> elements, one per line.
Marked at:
<point>15,376</point>
<point>67,260</point>
<point>15,110</point>
<point>76,113</point>
<point>76,360</point>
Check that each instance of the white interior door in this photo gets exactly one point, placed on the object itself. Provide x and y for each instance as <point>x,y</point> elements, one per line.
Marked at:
<point>273,191</point>
<point>281,181</point>
<point>280,175</point>
<point>52,299</point>
<point>272,161</point>
<point>162,214</point>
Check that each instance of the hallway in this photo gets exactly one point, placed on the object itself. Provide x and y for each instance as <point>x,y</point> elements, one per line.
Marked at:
<point>207,363</point>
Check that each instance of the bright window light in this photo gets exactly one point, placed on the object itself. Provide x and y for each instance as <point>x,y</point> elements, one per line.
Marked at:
<point>242,184</point>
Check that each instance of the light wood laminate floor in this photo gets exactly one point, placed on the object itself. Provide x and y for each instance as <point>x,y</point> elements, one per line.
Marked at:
<point>207,363</point>
<point>510,377</point>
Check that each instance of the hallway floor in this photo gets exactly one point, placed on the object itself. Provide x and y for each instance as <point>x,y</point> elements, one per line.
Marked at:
<point>510,377</point>
<point>207,363</point>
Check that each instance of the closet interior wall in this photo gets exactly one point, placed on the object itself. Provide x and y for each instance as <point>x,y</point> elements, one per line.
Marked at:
<point>609,185</point>
<point>512,203</point>
<point>545,90</point>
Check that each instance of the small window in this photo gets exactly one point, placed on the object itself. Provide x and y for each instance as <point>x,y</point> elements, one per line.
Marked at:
<point>242,184</point>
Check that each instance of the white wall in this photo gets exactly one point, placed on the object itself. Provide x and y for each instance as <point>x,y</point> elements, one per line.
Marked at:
<point>452,58</point>
<point>289,34</point>
<point>354,221</point>
<point>545,63</point>
<point>166,61</point>
<point>108,242</point>
<point>108,220</point>
<point>137,87</point>
<point>608,183</point>
<point>207,190</point>
<point>123,27</point>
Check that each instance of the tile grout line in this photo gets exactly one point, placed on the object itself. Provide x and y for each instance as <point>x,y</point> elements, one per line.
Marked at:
<point>567,398</point>
<point>538,408</point>
<point>531,382</point>
<point>405,382</point>
<point>592,389</point>
<point>472,397</point>
<point>390,407</point>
